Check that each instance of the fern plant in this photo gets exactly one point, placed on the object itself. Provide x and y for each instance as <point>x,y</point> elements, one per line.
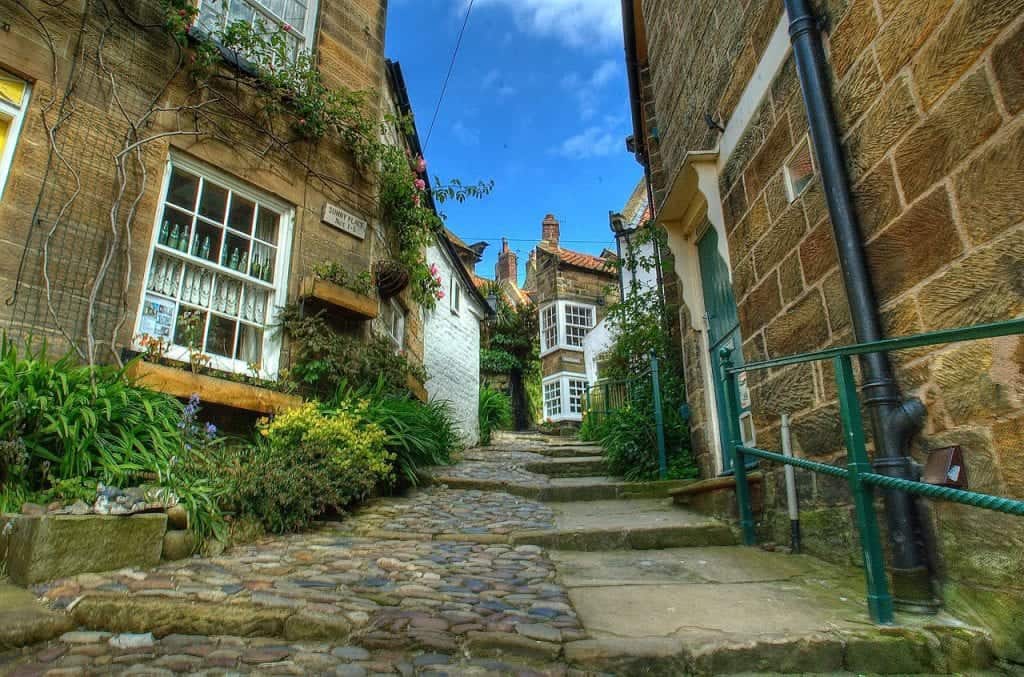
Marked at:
<point>494,411</point>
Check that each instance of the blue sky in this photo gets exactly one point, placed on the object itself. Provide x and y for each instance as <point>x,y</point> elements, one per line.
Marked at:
<point>538,102</point>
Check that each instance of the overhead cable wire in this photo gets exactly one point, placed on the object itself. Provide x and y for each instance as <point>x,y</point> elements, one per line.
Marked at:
<point>447,77</point>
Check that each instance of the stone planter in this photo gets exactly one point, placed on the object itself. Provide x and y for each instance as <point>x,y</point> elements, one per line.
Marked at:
<point>46,547</point>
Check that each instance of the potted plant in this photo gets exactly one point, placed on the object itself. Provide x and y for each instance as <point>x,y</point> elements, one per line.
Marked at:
<point>391,278</point>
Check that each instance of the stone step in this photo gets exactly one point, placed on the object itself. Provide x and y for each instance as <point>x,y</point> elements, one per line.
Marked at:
<point>565,489</point>
<point>726,610</point>
<point>630,524</point>
<point>23,620</point>
<point>579,466</point>
<point>564,451</point>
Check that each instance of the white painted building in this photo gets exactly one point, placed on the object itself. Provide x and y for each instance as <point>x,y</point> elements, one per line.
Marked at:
<point>451,340</point>
<point>633,216</point>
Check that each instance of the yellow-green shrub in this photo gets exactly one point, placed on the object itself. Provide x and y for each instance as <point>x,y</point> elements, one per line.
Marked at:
<point>308,461</point>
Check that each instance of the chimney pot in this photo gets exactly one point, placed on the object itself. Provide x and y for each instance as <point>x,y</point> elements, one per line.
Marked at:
<point>549,229</point>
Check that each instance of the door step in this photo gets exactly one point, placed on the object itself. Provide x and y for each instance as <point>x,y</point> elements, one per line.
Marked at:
<point>723,610</point>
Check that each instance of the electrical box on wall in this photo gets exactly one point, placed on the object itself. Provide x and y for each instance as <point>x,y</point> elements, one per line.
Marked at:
<point>945,467</point>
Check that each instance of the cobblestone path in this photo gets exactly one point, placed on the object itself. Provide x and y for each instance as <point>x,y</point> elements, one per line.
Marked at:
<point>414,585</point>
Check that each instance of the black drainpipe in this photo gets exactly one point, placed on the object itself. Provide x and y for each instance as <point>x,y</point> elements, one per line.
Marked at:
<point>893,420</point>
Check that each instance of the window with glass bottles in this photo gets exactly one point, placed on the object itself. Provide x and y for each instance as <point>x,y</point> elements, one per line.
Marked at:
<point>215,272</point>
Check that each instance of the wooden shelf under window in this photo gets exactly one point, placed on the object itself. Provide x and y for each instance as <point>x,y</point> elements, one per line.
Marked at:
<point>213,390</point>
<point>346,300</point>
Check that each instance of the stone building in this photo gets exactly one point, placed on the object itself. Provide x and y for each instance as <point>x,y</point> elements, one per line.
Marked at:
<point>928,100</point>
<point>132,194</point>
<point>572,291</point>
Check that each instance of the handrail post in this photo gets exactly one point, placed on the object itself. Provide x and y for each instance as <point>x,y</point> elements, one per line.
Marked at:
<point>879,600</point>
<point>659,420</point>
<point>739,463</point>
<point>586,392</point>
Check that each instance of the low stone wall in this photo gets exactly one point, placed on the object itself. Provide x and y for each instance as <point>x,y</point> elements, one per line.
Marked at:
<point>46,547</point>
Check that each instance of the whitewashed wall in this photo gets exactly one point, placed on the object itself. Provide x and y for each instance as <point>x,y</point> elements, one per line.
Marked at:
<point>451,349</point>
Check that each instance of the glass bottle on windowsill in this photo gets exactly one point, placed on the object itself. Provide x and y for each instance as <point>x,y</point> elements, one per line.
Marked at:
<point>164,233</point>
<point>175,237</point>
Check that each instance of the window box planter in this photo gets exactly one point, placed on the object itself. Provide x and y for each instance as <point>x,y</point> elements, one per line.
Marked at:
<point>345,300</point>
<point>183,383</point>
<point>416,388</point>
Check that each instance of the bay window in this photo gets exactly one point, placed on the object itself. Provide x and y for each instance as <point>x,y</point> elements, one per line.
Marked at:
<point>217,271</point>
<point>565,396</point>
<point>564,325</point>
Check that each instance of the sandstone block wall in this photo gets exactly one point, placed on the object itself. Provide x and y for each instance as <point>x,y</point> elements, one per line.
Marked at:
<point>349,44</point>
<point>929,99</point>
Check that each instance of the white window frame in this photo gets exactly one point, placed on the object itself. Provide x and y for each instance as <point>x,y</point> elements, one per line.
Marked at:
<point>17,116</point>
<point>396,335</point>
<point>549,412</point>
<point>564,380</point>
<point>272,335</point>
<point>455,295</point>
<point>547,319</point>
<point>306,33</point>
<point>561,333</point>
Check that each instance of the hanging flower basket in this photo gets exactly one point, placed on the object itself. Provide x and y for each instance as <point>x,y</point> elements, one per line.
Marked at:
<point>391,278</point>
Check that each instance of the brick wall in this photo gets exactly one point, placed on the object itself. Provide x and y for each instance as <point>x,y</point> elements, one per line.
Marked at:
<point>452,351</point>
<point>929,98</point>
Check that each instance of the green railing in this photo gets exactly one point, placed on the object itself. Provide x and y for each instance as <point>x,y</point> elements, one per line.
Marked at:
<point>608,395</point>
<point>858,470</point>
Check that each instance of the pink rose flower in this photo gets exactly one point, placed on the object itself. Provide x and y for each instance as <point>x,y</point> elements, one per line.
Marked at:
<point>416,200</point>
<point>420,184</point>
<point>440,294</point>
<point>287,28</point>
<point>421,165</point>
<point>433,269</point>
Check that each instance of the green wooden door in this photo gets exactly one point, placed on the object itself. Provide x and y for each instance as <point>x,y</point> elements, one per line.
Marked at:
<point>722,323</point>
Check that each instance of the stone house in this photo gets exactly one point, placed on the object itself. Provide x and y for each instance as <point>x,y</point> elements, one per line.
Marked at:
<point>572,291</point>
<point>133,192</point>
<point>928,100</point>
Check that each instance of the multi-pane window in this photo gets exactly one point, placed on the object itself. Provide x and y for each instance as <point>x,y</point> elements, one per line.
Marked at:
<point>549,327</point>
<point>578,321</point>
<point>13,102</point>
<point>214,274</point>
<point>553,399</point>
<point>293,18</point>
<point>392,322</point>
<point>577,389</point>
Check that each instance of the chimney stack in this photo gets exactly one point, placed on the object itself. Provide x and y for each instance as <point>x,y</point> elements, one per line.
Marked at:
<point>549,230</point>
<point>507,267</point>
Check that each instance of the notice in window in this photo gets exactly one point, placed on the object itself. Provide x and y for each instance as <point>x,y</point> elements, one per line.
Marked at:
<point>157,318</point>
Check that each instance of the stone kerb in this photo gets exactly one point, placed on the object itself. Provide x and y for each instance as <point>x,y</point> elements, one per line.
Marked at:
<point>46,547</point>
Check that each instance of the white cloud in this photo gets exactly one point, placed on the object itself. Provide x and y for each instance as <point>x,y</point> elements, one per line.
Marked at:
<point>595,141</point>
<point>587,90</point>
<point>491,78</point>
<point>578,23</point>
<point>467,136</point>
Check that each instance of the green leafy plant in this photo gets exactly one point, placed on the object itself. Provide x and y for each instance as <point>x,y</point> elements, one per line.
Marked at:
<point>323,359</point>
<point>419,434</point>
<point>494,411</point>
<point>309,460</point>
<point>331,271</point>
<point>509,347</point>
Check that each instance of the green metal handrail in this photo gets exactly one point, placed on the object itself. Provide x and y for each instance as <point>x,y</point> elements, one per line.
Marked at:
<point>652,374</point>
<point>858,471</point>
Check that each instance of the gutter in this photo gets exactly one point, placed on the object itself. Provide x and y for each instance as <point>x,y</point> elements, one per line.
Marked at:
<point>894,421</point>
